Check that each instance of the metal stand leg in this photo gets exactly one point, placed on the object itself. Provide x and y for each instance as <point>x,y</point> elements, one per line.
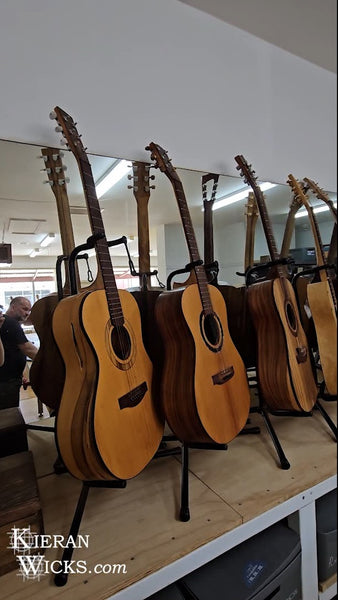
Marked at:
<point>184,511</point>
<point>61,578</point>
<point>327,418</point>
<point>284,463</point>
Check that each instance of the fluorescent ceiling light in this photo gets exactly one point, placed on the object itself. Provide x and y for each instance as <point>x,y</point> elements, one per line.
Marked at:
<point>226,200</point>
<point>119,169</point>
<point>318,209</point>
<point>47,240</point>
<point>34,252</point>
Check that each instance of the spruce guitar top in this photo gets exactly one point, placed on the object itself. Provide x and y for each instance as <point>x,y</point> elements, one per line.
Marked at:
<point>204,386</point>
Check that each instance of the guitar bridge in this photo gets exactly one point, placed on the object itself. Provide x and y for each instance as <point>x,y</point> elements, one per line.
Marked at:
<point>223,376</point>
<point>301,353</point>
<point>134,397</point>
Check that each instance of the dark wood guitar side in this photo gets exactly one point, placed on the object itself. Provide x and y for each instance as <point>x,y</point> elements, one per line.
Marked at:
<point>322,300</point>
<point>284,366</point>
<point>204,386</point>
<point>123,419</point>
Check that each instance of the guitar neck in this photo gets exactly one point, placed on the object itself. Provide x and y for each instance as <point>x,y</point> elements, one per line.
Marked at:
<point>321,195</point>
<point>251,220</point>
<point>102,248</point>
<point>56,175</point>
<point>289,228</point>
<point>332,253</point>
<point>208,233</point>
<point>141,190</point>
<point>208,220</point>
<point>250,179</point>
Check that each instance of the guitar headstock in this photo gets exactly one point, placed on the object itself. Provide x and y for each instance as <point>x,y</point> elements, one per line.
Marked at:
<point>205,179</point>
<point>141,179</point>
<point>67,127</point>
<point>162,160</point>
<point>247,173</point>
<point>298,191</point>
<point>54,168</point>
<point>319,192</point>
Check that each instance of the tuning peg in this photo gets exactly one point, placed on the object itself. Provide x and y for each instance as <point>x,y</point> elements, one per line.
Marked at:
<point>58,129</point>
<point>135,177</point>
<point>52,114</point>
<point>149,187</point>
<point>60,169</point>
<point>133,187</point>
<point>48,181</point>
<point>63,181</point>
<point>151,177</point>
<point>63,142</point>
<point>48,170</point>
<point>147,148</point>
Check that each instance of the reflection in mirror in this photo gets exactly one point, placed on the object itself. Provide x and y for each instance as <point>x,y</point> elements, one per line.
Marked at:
<point>29,213</point>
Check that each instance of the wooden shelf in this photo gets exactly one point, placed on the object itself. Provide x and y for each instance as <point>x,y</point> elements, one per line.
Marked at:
<point>234,494</point>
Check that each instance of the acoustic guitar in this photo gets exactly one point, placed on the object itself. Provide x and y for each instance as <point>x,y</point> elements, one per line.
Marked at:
<point>47,372</point>
<point>125,422</point>
<point>204,388</point>
<point>322,300</point>
<point>284,366</point>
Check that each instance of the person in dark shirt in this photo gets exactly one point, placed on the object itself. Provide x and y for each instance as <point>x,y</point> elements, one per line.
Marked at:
<point>16,348</point>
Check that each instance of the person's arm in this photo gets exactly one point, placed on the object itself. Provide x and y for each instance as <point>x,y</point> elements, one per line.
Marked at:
<point>28,349</point>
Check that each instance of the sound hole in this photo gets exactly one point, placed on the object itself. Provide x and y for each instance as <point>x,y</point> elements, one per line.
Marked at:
<point>120,341</point>
<point>291,317</point>
<point>212,331</point>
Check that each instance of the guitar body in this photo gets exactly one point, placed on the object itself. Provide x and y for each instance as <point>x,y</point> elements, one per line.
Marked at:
<point>73,424</point>
<point>47,383</point>
<point>241,328</point>
<point>285,383</point>
<point>325,322</point>
<point>201,403</point>
<point>126,421</point>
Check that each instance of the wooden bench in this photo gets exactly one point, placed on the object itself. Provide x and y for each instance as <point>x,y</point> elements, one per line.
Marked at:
<point>19,503</point>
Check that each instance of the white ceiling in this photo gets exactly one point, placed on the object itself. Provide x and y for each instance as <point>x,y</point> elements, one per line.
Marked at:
<point>306,28</point>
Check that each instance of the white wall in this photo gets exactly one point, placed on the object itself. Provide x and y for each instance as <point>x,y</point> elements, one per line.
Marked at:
<point>132,71</point>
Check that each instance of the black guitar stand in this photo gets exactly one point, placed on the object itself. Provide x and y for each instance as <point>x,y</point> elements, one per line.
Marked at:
<point>61,577</point>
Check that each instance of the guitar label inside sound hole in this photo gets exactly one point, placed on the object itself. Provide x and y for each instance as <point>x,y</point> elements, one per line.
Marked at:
<point>212,331</point>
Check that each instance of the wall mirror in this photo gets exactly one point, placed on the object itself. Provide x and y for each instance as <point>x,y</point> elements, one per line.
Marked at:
<point>29,213</point>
